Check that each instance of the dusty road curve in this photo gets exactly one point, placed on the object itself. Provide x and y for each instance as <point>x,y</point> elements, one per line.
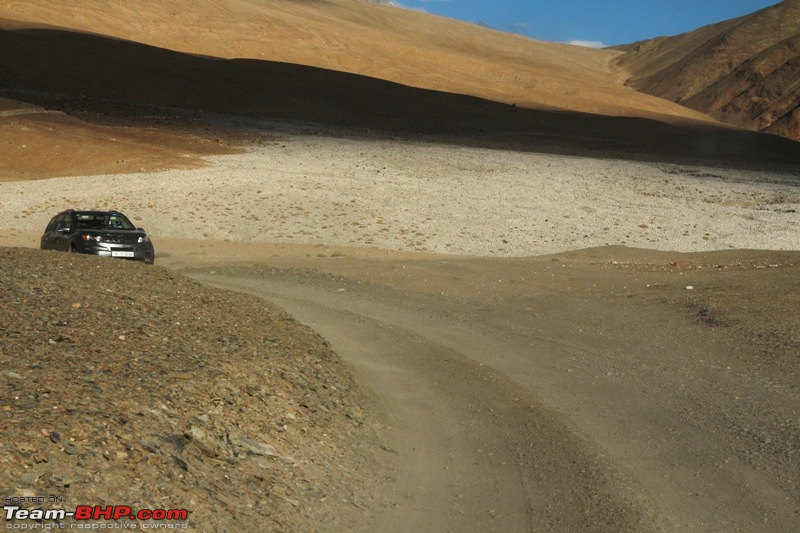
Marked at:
<point>548,406</point>
<point>475,452</point>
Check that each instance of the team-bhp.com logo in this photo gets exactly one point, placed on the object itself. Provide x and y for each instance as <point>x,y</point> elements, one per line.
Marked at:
<point>18,518</point>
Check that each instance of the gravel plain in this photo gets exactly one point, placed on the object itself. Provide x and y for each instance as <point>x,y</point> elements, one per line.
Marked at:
<point>418,196</point>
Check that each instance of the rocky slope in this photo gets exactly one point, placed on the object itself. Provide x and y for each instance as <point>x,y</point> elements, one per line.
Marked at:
<point>744,71</point>
<point>128,385</point>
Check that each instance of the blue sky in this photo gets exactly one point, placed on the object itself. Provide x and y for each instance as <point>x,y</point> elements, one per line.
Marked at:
<point>600,22</point>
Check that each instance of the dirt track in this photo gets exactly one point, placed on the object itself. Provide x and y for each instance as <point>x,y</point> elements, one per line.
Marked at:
<point>588,391</point>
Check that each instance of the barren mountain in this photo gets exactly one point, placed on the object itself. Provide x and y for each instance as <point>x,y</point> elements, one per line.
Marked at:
<point>378,41</point>
<point>744,71</point>
<point>340,63</point>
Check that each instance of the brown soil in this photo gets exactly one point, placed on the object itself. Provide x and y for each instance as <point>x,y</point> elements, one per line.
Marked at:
<point>591,389</point>
<point>36,144</point>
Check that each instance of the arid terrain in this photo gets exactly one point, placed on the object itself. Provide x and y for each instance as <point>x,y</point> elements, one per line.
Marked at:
<point>743,71</point>
<point>370,68</point>
<point>411,275</point>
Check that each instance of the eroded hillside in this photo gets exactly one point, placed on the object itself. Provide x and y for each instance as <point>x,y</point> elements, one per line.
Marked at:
<point>744,71</point>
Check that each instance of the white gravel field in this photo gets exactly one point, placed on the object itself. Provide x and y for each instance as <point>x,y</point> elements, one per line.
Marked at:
<point>432,197</point>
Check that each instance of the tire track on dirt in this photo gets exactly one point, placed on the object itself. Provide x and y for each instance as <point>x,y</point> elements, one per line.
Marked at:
<point>475,451</point>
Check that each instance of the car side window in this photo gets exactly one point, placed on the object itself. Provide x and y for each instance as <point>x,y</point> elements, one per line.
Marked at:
<point>63,222</point>
<point>52,225</point>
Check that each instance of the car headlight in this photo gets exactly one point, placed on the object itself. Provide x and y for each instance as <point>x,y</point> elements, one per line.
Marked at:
<point>143,238</point>
<point>90,237</point>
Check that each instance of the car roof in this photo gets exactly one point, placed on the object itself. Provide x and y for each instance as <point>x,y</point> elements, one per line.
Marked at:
<point>93,211</point>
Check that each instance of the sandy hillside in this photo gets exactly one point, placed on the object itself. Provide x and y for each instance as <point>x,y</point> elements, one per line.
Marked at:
<point>38,143</point>
<point>354,65</point>
<point>378,41</point>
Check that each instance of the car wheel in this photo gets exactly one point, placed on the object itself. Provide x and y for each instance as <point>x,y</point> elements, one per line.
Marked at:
<point>72,249</point>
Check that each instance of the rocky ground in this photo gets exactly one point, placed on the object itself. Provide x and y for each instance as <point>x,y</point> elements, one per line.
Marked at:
<point>607,388</point>
<point>131,385</point>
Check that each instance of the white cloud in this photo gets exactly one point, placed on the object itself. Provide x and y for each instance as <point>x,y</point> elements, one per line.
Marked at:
<point>422,9</point>
<point>410,8</point>
<point>587,44</point>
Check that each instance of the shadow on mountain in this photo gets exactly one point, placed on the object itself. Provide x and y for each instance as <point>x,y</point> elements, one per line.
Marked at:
<point>56,67</point>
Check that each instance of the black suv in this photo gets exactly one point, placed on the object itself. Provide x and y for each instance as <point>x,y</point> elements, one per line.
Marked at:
<point>104,233</point>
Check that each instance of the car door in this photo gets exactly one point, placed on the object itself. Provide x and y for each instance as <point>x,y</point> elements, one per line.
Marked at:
<point>62,234</point>
<point>47,236</point>
<point>51,237</point>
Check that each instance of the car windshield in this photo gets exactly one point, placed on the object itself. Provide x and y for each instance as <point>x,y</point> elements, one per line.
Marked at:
<point>94,220</point>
